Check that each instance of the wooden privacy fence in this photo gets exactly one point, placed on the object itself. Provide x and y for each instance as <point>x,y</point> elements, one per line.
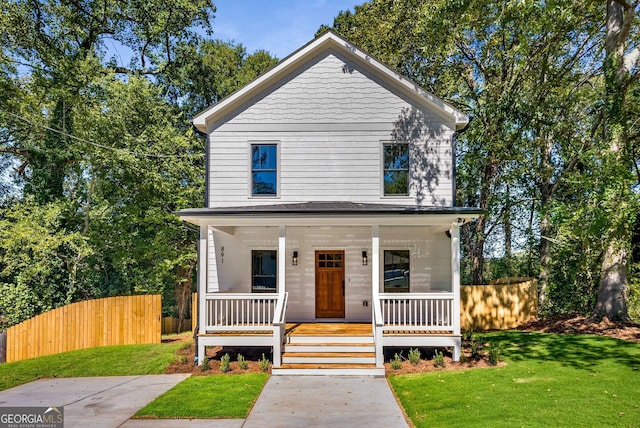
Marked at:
<point>499,306</point>
<point>171,325</point>
<point>124,320</point>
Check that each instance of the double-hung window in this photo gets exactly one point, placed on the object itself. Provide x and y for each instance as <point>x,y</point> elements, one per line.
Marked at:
<point>264,271</point>
<point>396,169</point>
<point>264,169</point>
<point>396,271</point>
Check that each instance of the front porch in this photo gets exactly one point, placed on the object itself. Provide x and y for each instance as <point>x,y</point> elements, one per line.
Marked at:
<point>336,348</point>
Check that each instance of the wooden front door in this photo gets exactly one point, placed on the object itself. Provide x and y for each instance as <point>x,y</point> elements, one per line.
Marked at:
<point>330,284</point>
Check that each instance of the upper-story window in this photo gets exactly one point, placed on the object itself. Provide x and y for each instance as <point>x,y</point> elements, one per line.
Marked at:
<point>396,169</point>
<point>264,169</point>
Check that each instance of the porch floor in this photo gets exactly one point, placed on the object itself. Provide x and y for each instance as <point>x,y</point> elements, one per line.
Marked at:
<point>328,329</point>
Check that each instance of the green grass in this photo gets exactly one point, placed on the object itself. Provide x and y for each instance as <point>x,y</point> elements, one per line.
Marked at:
<point>121,360</point>
<point>550,380</point>
<point>208,397</point>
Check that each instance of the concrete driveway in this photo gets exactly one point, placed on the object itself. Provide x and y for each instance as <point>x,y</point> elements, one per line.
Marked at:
<point>285,401</point>
<point>96,402</point>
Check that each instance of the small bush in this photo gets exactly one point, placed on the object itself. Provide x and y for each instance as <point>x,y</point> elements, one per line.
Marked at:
<point>475,349</point>
<point>463,357</point>
<point>183,359</point>
<point>396,362</point>
<point>264,363</point>
<point>205,364</point>
<point>494,353</point>
<point>242,362</point>
<point>467,335</point>
<point>224,363</point>
<point>438,359</point>
<point>414,356</point>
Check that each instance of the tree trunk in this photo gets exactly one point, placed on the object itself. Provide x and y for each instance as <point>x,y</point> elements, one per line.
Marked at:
<point>545,260</point>
<point>612,301</point>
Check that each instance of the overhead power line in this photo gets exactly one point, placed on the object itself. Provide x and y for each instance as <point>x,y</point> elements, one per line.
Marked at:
<point>116,149</point>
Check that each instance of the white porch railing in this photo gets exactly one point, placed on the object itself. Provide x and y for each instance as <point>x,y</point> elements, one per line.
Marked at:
<point>417,311</point>
<point>241,311</point>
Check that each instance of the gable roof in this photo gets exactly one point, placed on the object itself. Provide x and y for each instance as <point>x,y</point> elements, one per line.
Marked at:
<point>328,40</point>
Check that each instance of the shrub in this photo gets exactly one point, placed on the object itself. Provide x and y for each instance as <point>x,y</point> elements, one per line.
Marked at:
<point>242,362</point>
<point>475,349</point>
<point>224,363</point>
<point>438,359</point>
<point>467,335</point>
<point>414,356</point>
<point>205,364</point>
<point>264,363</point>
<point>494,353</point>
<point>396,362</point>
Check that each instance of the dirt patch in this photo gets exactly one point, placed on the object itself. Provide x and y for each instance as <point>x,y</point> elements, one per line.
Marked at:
<point>582,325</point>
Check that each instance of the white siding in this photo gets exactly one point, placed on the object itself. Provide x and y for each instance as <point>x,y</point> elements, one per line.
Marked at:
<point>430,262</point>
<point>330,126</point>
<point>429,256</point>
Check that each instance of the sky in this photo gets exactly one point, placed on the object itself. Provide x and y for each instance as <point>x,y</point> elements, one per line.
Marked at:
<point>277,26</point>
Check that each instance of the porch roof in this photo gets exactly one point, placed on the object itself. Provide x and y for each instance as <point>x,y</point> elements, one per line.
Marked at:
<point>333,210</point>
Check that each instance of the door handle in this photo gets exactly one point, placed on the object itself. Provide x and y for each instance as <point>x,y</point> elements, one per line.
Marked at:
<point>343,288</point>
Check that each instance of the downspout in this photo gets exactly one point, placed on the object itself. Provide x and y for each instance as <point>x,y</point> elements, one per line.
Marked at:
<point>453,151</point>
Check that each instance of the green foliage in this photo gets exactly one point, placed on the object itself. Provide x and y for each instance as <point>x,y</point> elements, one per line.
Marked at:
<point>205,364</point>
<point>396,362</point>
<point>414,356</point>
<point>438,359</point>
<point>264,363</point>
<point>546,376</point>
<point>242,363</point>
<point>225,363</point>
<point>494,353</point>
<point>234,396</point>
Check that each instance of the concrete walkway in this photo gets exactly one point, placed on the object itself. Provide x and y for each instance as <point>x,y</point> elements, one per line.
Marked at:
<point>285,401</point>
<point>326,401</point>
<point>96,402</point>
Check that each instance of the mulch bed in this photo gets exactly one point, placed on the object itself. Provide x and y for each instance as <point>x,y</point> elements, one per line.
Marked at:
<point>568,325</point>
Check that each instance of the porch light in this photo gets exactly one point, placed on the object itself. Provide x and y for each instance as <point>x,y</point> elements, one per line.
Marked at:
<point>365,260</point>
<point>294,260</point>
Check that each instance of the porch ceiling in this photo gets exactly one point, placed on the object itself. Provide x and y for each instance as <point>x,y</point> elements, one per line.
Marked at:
<point>328,213</point>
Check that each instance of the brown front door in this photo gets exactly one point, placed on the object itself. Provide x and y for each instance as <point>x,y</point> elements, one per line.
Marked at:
<point>330,284</point>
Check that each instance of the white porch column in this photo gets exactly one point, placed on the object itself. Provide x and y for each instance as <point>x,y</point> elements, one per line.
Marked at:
<point>375,260</point>
<point>202,288</point>
<point>213,282</point>
<point>282,259</point>
<point>455,285</point>
<point>375,284</point>
<point>455,275</point>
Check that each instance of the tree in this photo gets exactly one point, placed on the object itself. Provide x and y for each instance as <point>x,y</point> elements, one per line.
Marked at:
<point>618,201</point>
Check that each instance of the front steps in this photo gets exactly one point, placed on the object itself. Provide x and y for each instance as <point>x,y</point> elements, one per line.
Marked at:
<point>329,355</point>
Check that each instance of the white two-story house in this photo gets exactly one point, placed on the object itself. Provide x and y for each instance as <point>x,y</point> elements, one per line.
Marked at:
<point>330,229</point>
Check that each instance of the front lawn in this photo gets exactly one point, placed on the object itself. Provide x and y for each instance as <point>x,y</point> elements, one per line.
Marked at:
<point>122,360</point>
<point>550,380</point>
<point>208,397</point>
